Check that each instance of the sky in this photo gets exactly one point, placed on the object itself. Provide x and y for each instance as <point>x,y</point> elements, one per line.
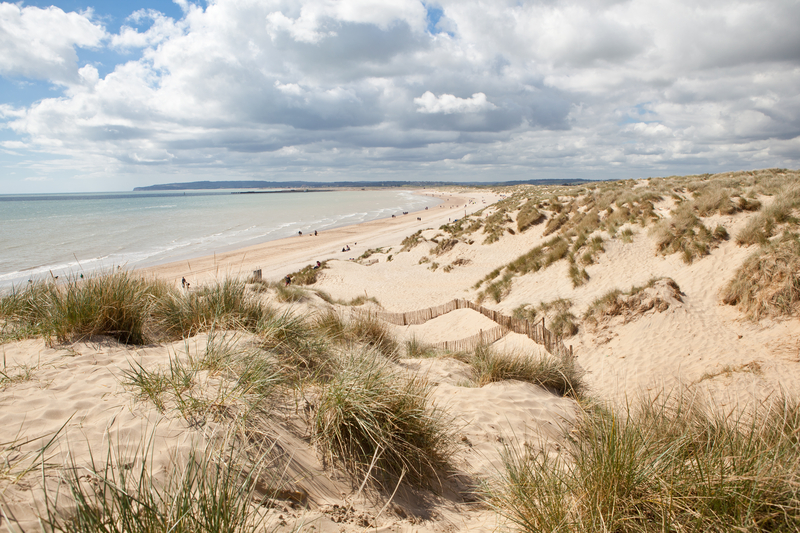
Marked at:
<point>110,95</point>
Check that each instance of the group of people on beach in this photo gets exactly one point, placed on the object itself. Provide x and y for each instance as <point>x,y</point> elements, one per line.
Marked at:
<point>301,233</point>
<point>184,283</point>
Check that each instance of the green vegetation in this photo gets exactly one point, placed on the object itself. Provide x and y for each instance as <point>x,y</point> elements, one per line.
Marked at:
<point>308,274</point>
<point>617,302</point>
<point>579,218</point>
<point>561,321</point>
<point>411,241</point>
<point>559,375</point>
<point>215,490</point>
<point>558,317</point>
<point>355,301</point>
<point>528,216</point>
<point>684,233</point>
<point>120,305</point>
<point>663,466</point>
<point>372,418</point>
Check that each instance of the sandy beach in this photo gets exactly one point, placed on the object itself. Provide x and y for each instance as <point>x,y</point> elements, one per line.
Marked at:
<point>642,321</point>
<point>278,258</point>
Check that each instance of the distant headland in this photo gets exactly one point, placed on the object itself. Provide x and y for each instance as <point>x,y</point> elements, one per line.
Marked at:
<point>206,185</point>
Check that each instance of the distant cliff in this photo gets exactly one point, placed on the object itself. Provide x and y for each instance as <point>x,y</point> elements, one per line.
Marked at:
<point>205,185</point>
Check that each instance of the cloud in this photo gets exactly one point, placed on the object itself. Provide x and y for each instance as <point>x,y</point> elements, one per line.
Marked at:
<point>40,43</point>
<point>447,103</point>
<point>373,88</point>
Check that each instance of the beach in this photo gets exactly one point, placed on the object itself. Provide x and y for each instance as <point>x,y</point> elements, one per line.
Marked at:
<point>599,304</point>
<point>277,258</point>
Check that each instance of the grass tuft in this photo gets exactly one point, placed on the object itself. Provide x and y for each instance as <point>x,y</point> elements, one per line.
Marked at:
<point>559,375</point>
<point>368,413</point>
<point>663,466</point>
<point>215,490</point>
<point>768,282</point>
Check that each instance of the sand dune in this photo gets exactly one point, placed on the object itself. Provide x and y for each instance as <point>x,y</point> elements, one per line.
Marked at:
<point>693,342</point>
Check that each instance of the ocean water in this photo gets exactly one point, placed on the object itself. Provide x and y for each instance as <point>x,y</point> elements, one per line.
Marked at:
<point>71,233</point>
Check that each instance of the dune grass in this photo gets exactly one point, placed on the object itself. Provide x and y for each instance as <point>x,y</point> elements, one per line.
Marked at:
<point>561,321</point>
<point>309,274</point>
<point>224,305</point>
<point>416,349</point>
<point>529,216</point>
<point>130,308</point>
<point>661,466</point>
<point>249,378</point>
<point>768,282</point>
<point>686,234</point>
<point>214,490</point>
<point>559,375</point>
<point>372,420</point>
<point>118,305</point>
<point>616,302</point>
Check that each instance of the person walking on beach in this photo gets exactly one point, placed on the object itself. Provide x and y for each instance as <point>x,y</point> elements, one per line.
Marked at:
<point>288,279</point>
<point>183,282</point>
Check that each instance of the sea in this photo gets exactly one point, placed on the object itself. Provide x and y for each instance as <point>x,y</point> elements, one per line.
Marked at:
<point>46,235</point>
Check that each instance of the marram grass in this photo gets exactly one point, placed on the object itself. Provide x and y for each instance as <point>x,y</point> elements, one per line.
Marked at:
<point>661,466</point>
<point>374,421</point>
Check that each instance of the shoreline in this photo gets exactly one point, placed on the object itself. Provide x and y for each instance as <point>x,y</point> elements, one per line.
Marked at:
<point>279,257</point>
<point>222,236</point>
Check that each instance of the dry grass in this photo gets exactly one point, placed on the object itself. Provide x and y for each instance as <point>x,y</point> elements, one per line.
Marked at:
<point>768,282</point>
<point>558,375</point>
<point>661,466</point>
<point>684,233</point>
<point>634,302</point>
<point>374,421</point>
<point>309,274</point>
<point>529,216</point>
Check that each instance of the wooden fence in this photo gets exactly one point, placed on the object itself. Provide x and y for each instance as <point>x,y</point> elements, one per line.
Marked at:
<point>470,343</point>
<point>534,331</point>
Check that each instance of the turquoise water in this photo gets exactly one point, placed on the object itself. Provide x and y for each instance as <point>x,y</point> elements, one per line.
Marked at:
<point>70,233</point>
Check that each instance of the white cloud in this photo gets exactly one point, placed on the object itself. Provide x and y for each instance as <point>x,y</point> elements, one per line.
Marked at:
<point>161,29</point>
<point>40,43</point>
<point>447,103</point>
<point>359,87</point>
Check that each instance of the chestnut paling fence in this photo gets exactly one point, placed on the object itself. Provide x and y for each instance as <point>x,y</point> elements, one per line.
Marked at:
<point>534,331</point>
